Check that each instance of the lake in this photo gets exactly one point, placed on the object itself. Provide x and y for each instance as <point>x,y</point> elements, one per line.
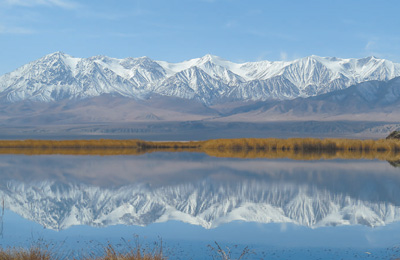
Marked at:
<point>191,203</point>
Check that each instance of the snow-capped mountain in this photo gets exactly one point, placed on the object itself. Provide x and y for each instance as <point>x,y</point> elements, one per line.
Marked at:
<point>209,79</point>
<point>207,203</point>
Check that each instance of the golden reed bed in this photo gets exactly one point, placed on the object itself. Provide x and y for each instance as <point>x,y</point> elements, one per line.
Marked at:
<point>293,148</point>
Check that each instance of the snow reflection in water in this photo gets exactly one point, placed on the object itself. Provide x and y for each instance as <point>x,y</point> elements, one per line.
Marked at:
<point>191,199</point>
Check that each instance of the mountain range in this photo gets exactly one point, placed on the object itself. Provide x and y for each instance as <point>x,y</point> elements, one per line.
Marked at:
<point>209,79</point>
<point>61,90</point>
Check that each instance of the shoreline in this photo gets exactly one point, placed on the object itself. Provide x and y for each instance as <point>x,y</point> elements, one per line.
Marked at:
<point>250,148</point>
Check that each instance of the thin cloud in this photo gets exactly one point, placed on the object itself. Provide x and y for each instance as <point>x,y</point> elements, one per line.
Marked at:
<point>113,16</point>
<point>255,32</point>
<point>15,30</point>
<point>371,44</point>
<point>125,35</point>
<point>30,3</point>
<point>283,56</point>
<point>349,22</point>
<point>263,56</point>
<point>231,24</point>
<point>371,48</point>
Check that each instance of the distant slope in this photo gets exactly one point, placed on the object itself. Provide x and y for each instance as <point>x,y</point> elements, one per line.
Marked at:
<point>103,109</point>
<point>373,100</point>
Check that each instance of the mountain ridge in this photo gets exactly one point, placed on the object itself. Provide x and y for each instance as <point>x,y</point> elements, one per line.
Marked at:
<point>376,98</point>
<point>209,79</point>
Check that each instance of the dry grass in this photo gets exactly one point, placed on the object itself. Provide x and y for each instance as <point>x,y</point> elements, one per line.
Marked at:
<point>37,253</point>
<point>303,144</point>
<point>293,148</point>
<point>34,253</point>
<point>96,144</point>
<point>134,254</point>
<point>304,148</point>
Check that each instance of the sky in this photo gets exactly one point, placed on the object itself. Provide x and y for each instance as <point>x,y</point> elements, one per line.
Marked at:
<point>177,30</point>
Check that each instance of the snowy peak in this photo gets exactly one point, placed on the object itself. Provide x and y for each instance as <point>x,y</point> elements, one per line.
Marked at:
<point>214,66</point>
<point>210,58</point>
<point>209,79</point>
<point>54,59</point>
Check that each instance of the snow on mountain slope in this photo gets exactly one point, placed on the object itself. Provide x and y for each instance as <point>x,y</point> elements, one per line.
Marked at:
<point>209,79</point>
<point>218,68</point>
<point>275,88</point>
<point>59,76</point>
<point>371,100</point>
<point>193,83</point>
<point>315,75</point>
<point>206,203</point>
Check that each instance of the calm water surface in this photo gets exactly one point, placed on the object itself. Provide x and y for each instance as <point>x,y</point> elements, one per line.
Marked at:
<point>280,209</point>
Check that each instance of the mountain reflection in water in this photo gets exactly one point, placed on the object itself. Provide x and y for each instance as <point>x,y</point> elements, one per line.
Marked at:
<point>63,191</point>
<point>280,208</point>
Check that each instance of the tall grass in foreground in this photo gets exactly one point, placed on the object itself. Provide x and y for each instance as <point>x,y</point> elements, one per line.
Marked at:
<point>134,254</point>
<point>38,253</point>
<point>293,148</point>
<point>227,252</point>
<point>25,254</point>
<point>110,253</point>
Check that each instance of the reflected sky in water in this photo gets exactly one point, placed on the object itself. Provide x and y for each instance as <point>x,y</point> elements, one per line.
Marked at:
<point>279,208</point>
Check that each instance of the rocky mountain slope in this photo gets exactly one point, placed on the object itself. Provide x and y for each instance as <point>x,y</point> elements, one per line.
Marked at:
<point>372,100</point>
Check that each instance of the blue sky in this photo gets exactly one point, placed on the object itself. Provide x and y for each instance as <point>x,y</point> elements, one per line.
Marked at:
<point>177,30</point>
